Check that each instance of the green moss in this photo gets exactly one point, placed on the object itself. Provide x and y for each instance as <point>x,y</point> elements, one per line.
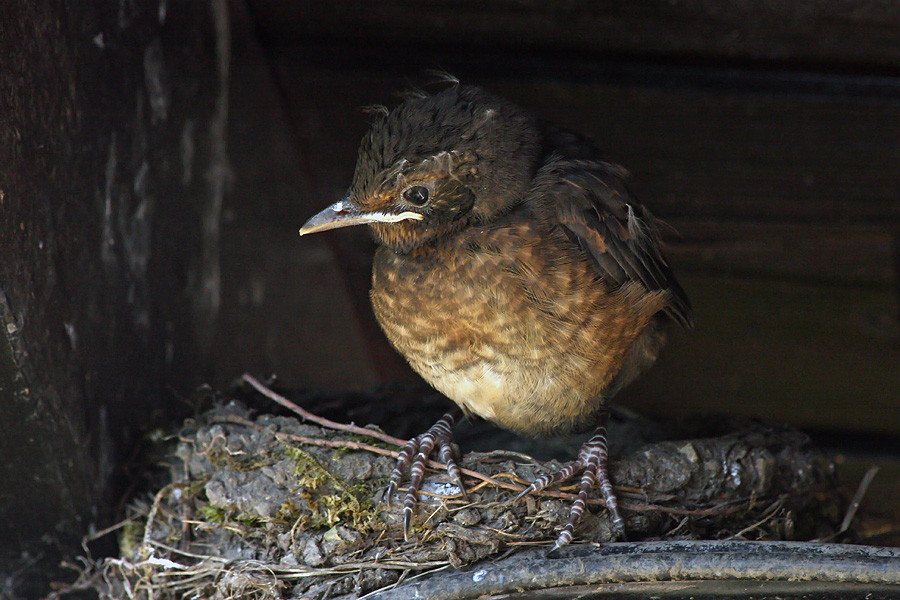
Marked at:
<point>131,537</point>
<point>348,505</point>
<point>348,509</point>
<point>249,520</point>
<point>287,515</point>
<point>212,514</point>
<point>324,502</point>
<point>313,475</point>
<point>221,516</point>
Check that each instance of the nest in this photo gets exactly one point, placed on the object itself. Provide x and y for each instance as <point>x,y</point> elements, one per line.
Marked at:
<point>269,507</point>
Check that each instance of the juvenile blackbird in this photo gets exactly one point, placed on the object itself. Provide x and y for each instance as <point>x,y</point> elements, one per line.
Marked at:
<point>515,272</point>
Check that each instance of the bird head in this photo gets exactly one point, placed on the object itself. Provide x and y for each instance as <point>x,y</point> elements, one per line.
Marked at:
<point>434,165</point>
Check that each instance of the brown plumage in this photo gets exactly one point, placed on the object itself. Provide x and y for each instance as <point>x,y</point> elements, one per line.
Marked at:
<point>515,272</point>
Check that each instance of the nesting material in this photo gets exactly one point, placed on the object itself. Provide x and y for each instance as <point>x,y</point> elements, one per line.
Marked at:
<point>268,507</point>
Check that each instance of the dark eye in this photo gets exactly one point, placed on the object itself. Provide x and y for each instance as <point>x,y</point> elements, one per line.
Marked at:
<point>417,195</point>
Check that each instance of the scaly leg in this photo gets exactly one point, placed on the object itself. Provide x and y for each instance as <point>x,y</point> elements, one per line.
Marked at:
<point>414,457</point>
<point>591,463</point>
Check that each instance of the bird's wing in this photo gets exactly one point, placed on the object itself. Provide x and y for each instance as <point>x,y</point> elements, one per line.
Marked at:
<point>593,207</point>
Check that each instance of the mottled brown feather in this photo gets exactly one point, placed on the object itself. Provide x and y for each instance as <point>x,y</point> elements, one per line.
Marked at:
<point>528,336</point>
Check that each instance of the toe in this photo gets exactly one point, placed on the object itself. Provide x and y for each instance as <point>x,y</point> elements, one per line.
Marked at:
<point>414,458</point>
<point>407,521</point>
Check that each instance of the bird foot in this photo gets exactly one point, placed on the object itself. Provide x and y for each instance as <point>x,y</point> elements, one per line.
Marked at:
<point>591,464</point>
<point>414,457</point>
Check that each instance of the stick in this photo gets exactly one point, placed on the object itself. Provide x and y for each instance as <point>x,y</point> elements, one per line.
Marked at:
<point>308,416</point>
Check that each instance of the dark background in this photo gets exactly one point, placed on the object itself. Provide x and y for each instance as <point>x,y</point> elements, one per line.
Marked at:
<point>157,159</point>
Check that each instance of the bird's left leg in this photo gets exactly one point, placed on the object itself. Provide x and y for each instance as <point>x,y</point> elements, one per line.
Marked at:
<point>592,465</point>
<point>414,457</point>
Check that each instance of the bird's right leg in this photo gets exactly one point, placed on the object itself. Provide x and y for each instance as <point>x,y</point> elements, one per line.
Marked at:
<point>414,458</point>
<point>592,465</point>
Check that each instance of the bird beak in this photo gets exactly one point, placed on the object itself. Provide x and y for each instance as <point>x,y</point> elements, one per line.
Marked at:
<point>345,214</point>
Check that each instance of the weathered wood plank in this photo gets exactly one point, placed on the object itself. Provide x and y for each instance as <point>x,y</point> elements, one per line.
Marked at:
<point>817,355</point>
<point>834,32</point>
<point>285,307</point>
<point>849,254</point>
<point>104,118</point>
<point>727,155</point>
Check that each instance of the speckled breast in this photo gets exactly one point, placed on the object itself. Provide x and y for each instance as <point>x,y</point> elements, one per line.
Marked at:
<point>511,323</point>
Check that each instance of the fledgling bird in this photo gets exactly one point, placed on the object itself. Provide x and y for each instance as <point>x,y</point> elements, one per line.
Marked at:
<point>514,271</point>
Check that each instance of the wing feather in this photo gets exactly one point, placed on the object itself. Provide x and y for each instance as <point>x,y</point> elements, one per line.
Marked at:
<point>594,208</point>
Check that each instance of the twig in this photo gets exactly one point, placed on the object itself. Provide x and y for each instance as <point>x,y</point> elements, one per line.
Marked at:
<point>404,577</point>
<point>308,416</point>
<point>521,456</point>
<point>175,550</point>
<point>348,444</point>
<point>861,490</point>
<point>99,534</point>
<point>146,551</point>
<point>858,497</point>
<point>767,515</point>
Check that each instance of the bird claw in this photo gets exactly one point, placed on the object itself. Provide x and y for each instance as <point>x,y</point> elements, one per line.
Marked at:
<point>531,488</point>
<point>414,458</point>
<point>592,465</point>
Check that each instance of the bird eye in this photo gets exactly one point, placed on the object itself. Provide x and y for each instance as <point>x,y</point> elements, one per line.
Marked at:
<point>417,195</point>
